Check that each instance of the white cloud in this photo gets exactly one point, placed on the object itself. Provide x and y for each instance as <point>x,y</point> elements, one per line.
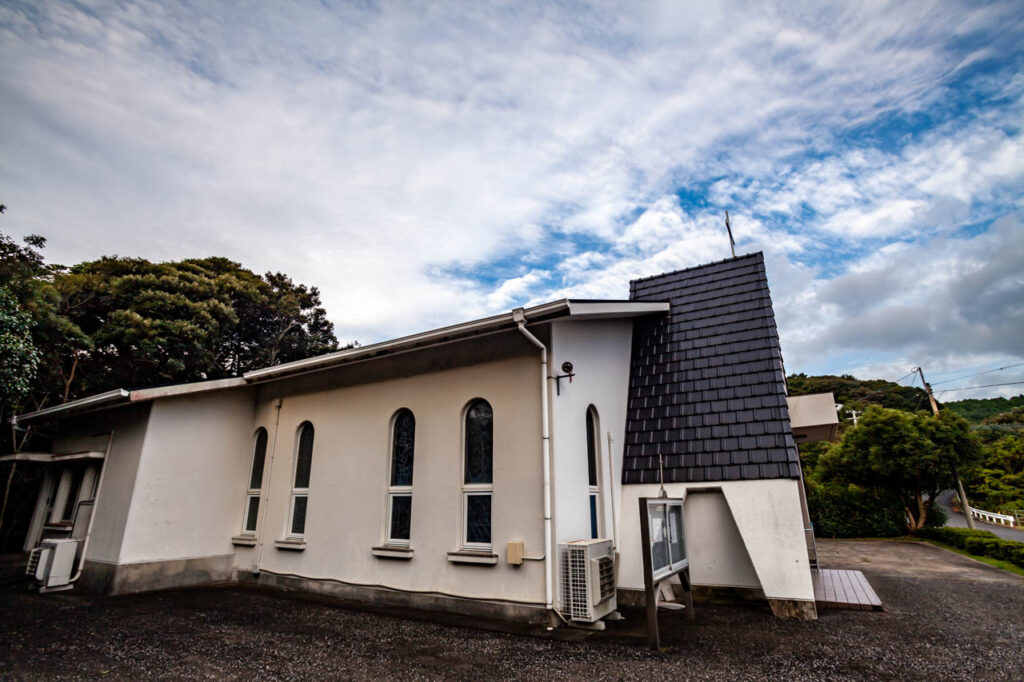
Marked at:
<point>374,151</point>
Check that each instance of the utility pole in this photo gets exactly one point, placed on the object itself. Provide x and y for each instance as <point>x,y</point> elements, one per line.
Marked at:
<point>854,414</point>
<point>956,474</point>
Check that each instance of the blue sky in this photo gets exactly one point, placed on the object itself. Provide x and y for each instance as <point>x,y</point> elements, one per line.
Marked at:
<point>425,164</point>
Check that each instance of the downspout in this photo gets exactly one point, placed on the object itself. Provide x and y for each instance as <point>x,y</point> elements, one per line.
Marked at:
<point>611,493</point>
<point>265,501</point>
<point>519,317</point>
<point>95,502</point>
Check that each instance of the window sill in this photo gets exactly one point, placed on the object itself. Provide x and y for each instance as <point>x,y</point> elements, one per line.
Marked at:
<point>479,558</point>
<point>393,552</point>
<point>290,544</point>
<point>244,541</point>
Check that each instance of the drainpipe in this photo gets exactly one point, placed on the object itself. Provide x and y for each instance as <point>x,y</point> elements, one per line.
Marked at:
<point>95,502</point>
<point>265,501</point>
<point>611,493</point>
<point>519,317</point>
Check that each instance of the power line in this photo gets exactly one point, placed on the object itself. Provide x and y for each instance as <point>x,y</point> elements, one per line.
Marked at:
<point>912,372</point>
<point>966,388</point>
<point>987,371</point>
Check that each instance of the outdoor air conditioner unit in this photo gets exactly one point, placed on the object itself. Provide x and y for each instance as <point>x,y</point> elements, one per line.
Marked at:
<point>52,562</point>
<point>587,573</point>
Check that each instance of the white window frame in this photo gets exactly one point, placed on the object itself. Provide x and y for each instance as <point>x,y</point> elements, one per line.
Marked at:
<point>296,494</point>
<point>394,492</point>
<point>470,489</point>
<point>251,493</point>
<point>299,492</point>
<point>594,491</point>
<point>397,490</point>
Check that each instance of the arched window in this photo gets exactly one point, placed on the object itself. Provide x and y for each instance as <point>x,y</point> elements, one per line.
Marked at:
<point>478,480</point>
<point>300,491</point>
<point>403,441</point>
<point>593,451</point>
<point>252,495</point>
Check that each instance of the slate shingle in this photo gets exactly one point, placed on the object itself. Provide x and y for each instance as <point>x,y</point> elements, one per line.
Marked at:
<point>707,388</point>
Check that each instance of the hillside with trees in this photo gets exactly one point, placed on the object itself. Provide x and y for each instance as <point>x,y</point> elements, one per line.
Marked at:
<point>857,394</point>
<point>980,410</point>
<point>879,479</point>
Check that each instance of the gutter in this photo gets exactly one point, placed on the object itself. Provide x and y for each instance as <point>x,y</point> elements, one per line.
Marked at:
<point>444,334</point>
<point>118,395</point>
<point>519,317</point>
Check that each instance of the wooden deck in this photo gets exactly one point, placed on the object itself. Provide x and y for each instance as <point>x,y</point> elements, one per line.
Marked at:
<point>844,590</point>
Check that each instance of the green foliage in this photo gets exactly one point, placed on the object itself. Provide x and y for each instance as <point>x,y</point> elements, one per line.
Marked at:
<point>18,356</point>
<point>910,456</point>
<point>160,323</point>
<point>977,410</point>
<point>997,484</point>
<point>128,322</point>
<point>858,394</point>
<point>1014,416</point>
<point>979,542</point>
<point>842,510</point>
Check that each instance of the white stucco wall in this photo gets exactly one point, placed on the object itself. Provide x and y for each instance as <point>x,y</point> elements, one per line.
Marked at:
<point>600,353</point>
<point>188,498</point>
<point>748,535</point>
<point>119,470</point>
<point>349,477</point>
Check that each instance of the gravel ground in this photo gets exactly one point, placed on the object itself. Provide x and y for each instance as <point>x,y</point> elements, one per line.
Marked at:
<point>947,618</point>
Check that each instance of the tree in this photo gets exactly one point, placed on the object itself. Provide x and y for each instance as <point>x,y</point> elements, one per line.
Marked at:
<point>18,356</point>
<point>161,323</point>
<point>859,393</point>
<point>911,455</point>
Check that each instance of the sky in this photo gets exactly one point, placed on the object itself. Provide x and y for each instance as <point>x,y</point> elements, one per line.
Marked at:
<point>430,163</point>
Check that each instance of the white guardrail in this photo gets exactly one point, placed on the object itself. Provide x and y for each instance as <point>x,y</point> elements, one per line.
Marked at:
<point>992,517</point>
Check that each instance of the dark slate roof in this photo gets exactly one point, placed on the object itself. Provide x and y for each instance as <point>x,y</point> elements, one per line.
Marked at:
<point>707,388</point>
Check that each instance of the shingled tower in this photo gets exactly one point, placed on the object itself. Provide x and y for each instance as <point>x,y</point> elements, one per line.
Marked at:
<point>707,387</point>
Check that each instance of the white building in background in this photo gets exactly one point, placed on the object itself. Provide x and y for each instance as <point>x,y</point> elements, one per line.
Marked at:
<point>443,470</point>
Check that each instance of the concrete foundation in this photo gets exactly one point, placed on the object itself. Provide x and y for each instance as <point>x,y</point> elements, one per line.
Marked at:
<point>781,608</point>
<point>532,614</point>
<point>794,608</point>
<point>103,578</point>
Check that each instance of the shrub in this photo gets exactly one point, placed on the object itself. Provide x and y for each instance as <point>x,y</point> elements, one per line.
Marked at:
<point>978,542</point>
<point>849,511</point>
<point>936,517</point>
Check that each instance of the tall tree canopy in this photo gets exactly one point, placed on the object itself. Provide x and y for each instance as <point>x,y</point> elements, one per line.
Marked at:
<point>911,455</point>
<point>128,322</point>
<point>160,323</point>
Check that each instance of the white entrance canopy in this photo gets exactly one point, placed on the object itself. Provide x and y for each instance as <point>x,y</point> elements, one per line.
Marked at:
<point>49,457</point>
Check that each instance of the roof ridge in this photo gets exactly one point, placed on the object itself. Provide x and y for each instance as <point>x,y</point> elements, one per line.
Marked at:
<point>758,255</point>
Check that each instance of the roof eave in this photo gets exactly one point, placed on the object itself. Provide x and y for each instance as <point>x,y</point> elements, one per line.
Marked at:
<point>118,395</point>
<point>448,334</point>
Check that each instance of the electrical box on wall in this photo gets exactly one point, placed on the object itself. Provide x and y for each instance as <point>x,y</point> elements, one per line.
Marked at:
<point>514,552</point>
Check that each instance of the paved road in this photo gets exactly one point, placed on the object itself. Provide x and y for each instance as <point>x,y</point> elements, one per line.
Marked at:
<point>956,520</point>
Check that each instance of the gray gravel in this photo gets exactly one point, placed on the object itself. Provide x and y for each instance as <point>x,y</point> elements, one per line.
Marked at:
<point>245,633</point>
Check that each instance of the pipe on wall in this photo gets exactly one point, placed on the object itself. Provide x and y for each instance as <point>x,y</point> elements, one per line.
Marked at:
<point>611,492</point>
<point>95,502</point>
<point>519,316</point>
<point>265,500</point>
